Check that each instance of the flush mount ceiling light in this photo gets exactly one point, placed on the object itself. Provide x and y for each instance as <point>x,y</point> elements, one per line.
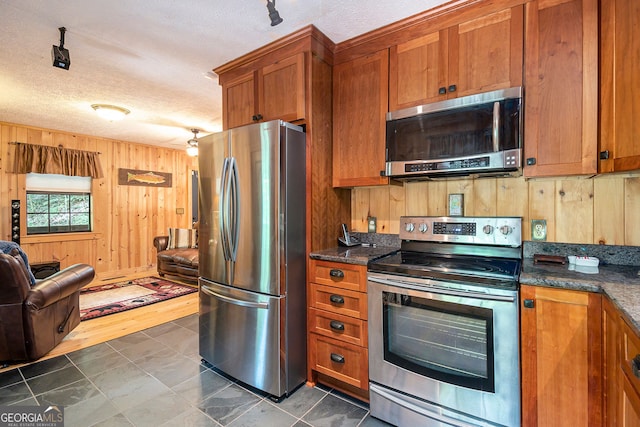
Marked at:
<point>192,144</point>
<point>273,13</point>
<point>110,112</point>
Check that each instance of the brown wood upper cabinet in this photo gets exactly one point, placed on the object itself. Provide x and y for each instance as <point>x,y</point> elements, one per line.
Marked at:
<point>360,103</point>
<point>275,91</point>
<point>561,354</point>
<point>478,55</point>
<point>619,77</point>
<point>561,87</point>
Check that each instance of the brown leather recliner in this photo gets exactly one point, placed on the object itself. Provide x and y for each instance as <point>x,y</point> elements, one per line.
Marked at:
<point>33,320</point>
<point>181,262</point>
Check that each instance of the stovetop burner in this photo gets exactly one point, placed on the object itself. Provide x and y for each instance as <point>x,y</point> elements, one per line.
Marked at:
<point>484,271</point>
<point>489,267</point>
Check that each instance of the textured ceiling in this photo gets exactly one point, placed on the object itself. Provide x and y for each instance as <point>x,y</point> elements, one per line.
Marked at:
<point>153,58</point>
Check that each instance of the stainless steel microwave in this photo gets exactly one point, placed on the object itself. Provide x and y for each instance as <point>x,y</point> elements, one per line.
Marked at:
<point>479,135</point>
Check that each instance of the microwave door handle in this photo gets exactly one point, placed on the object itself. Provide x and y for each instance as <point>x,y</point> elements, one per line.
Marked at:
<point>495,131</point>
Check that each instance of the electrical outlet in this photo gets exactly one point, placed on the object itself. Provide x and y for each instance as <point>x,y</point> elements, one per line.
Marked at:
<point>539,230</point>
<point>371,222</point>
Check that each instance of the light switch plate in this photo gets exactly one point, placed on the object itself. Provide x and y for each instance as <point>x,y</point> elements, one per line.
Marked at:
<point>539,230</point>
<point>456,204</point>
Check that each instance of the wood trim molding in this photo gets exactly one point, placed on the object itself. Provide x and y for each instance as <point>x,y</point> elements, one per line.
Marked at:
<point>59,237</point>
<point>304,35</point>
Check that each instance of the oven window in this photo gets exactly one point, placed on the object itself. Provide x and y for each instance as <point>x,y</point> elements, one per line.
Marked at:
<point>449,342</point>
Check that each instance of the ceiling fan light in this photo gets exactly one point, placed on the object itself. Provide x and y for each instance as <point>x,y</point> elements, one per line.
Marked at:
<point>192,144</point>
<point>192,150</point>
<point>110,112</point>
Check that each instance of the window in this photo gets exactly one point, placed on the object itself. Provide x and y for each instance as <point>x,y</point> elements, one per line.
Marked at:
<point>58,204</point>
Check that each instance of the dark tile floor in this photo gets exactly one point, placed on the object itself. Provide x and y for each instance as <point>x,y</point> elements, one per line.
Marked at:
<point>156,378</point>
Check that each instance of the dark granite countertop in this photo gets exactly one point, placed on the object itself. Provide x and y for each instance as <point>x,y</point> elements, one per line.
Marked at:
<point>621,283</point>
<point>354,254</point>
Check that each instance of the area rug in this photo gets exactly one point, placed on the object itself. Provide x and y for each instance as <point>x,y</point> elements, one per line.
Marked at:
<point>112,298</point>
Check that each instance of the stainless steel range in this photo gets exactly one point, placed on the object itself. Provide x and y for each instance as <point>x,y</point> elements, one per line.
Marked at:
<point>443,324</point>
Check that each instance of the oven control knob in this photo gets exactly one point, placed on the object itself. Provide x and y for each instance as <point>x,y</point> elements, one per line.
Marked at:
<point>409,227</point>
<point>423,227</point>
<point>505,229</point>
<point>487,229</point>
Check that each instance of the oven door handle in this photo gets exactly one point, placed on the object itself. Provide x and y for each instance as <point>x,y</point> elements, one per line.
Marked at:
<point>440,290</point>
<point>417,409</point>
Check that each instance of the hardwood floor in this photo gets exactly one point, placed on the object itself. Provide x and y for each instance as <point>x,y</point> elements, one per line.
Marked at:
<point>101,329</point>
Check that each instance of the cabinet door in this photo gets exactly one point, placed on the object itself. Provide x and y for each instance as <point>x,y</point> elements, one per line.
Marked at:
<point>418,71</point>
<point>561,357</point>
<point>630,396</point>
<point>611,339</point>
<point>620,78</point>
<point>561,63</point>
<point>360,103</point>
<point>476,56</point>
<point>239,101</point>
<point>281,90</point>
<point>485,54</point>
<point>629,405</point>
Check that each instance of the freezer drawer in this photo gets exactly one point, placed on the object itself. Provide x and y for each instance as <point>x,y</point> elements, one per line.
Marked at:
<point>240,335</point>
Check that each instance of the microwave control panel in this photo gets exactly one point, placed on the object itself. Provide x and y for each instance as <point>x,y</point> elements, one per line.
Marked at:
<point>477,162</point>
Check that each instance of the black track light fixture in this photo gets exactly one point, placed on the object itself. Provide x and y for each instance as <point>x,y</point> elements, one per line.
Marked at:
<point>59,54</point>
<point>273,13</point>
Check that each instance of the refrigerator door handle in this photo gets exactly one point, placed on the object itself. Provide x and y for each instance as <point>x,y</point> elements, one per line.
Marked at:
<point>224,209</point>
<point>234,232</point>
<point>250,304</point>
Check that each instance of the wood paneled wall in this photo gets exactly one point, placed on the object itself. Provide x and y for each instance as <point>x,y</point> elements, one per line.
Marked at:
<point>125,218</point>
<point>593,210</point>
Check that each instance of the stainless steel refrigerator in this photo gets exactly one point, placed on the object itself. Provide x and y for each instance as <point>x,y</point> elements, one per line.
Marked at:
<point>252,314</point>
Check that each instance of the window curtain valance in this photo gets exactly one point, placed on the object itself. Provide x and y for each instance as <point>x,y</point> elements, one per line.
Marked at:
<point>56,160</point>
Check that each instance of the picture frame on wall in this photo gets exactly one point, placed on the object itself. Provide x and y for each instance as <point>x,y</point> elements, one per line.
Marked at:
<point>144,178</point>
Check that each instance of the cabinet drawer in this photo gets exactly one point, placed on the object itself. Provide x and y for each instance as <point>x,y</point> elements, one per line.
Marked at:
<point>341,301</point>
<point>343,361</point>
<point>630,350</point>
<point>345,276</point>
<point>338,327</point>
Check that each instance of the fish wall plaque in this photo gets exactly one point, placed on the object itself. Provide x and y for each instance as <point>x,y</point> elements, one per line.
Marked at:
<point>144,177</point>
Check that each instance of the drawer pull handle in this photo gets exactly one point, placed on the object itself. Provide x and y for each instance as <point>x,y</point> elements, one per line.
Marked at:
<point>336,299</point>
<point>338,358</point>
<point>338,274</point>
<point>635,365</point>
<point>338,326</point>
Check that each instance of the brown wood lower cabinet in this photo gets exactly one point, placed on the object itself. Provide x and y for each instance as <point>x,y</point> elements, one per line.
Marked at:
<point>629,401</point>
<point>337,326</point>
<point>343,361</point>
<point>611,362</point>
<point>561,352</point>
<point>621,344</point>
<point>629,405</point>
